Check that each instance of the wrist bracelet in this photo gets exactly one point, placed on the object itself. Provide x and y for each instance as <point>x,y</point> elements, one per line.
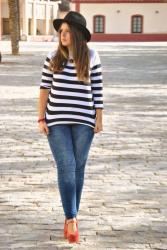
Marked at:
<point>41,120</point>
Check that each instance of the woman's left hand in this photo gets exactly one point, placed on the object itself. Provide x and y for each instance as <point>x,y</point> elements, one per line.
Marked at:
<point>98,125</point>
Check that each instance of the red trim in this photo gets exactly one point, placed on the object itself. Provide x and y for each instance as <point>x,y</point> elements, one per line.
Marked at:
<point>132,23</point>
<point>128,37</point>
<point>77,6</point>
<point>104,23</point>
<point>118,1</point>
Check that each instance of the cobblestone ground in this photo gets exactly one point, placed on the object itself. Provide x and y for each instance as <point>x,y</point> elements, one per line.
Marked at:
<point>124,204</point>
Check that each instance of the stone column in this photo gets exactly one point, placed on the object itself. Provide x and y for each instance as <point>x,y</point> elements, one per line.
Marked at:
<point>34,20</point>
<point>47,18</point>
<point>25,19</point>
<point>0,30</point>
<point>55,11</point>
<point>0,22</point>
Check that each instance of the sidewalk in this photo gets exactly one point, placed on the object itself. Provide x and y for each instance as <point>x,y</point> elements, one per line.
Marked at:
<point>25,47</point>
<point>124,204</point>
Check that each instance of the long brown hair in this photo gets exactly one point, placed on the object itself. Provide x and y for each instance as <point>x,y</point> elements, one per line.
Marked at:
<point>80,55</point>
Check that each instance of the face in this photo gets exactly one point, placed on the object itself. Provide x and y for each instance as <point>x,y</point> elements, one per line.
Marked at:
<point>65,35</point>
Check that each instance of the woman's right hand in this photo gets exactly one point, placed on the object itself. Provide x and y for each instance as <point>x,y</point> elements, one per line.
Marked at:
<point>43,128</point>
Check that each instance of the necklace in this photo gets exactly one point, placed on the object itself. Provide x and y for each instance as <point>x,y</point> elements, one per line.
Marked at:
<point>71,60</point>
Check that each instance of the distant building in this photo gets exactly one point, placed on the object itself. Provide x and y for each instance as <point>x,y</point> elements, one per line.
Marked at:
<point>36,18</point>
<point>116,20</point>
<point>107,20</point>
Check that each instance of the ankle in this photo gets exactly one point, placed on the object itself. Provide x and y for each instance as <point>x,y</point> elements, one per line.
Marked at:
<point>71,219</point>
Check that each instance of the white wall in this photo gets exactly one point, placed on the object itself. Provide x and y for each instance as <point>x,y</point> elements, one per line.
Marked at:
<point>72,6</point>
<point>121,22</point>
<point>4,10</point>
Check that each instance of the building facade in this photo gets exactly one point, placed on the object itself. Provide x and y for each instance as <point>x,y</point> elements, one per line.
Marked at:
<point>107,20</point>
<point>35,19</point>
<point>116,20</point>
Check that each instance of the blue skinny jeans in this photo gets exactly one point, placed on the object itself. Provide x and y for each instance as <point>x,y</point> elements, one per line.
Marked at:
<point>70,144</point>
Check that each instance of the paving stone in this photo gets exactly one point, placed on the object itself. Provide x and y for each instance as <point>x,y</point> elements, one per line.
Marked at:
<point>123,205</point>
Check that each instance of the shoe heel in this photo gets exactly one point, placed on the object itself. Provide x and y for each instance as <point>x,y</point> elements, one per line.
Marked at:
<point>65,229</point>
<point>73,237</point>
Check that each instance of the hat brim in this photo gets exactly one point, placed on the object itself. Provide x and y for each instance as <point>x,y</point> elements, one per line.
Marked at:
<point>57,23</point>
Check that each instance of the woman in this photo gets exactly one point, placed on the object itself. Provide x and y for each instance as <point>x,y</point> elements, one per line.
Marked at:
<point>70,110</point>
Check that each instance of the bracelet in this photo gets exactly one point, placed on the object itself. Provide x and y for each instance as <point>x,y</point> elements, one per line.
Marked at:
<point>41,120</point>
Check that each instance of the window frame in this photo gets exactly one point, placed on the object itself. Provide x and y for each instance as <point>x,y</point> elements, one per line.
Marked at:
<point>132,20</point>
<point>103,24</point>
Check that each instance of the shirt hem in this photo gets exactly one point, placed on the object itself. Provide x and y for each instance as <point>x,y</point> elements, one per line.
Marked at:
<point>61,122</point>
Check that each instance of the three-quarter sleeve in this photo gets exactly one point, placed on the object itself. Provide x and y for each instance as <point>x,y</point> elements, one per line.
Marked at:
<point>97,81</point>
<point>47,74</point>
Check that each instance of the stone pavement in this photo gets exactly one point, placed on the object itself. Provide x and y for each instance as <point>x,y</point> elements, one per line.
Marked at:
<point>124,204</point>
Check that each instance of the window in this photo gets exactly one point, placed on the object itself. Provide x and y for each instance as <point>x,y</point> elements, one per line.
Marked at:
<point>5,26</point>
<point>99,24</point>
<point>137,24</point>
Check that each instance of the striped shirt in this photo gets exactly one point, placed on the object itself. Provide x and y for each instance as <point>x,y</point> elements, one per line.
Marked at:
<point>70,100</point>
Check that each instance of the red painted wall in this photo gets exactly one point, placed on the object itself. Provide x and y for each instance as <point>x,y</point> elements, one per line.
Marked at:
<point>118,1</point>
<point>128,37</point>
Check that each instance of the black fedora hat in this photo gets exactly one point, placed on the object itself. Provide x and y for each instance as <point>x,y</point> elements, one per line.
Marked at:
<point>76,19</point>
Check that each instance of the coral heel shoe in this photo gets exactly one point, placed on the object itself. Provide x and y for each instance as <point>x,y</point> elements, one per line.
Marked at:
<point>65,229</point>
<point>73,237</point>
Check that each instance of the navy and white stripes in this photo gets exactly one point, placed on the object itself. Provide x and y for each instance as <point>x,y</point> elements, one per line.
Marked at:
<point>70,100</point>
